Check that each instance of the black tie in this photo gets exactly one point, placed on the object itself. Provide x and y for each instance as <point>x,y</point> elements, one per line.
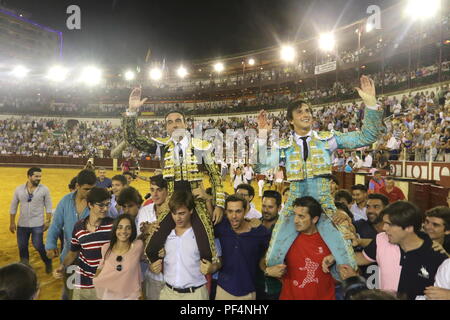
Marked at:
<point>180,159</point>
<point>305,148</point>
<point>180,153</point>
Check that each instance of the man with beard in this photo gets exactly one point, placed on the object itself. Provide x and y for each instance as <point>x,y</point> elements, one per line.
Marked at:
<point>102,180</point>
<point>243,246</point>
<point>368,229</point>
<point>359,194</point>
<point>70,209</point>
<point>33,198</point>
<point>301,272</point>
<point>268,288</point>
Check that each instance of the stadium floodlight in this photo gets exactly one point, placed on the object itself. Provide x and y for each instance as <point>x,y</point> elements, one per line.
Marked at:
<point>288,53</point>
<point>251,61</point>
<point>130,75</point>
<point>91,76</point>
<point>20,72</point>
<point>420,9</point>
<point>155,74</point>
<point>327,41</point>
<point>218,67</point>
<point>182,72</point>
<point>57,74</point>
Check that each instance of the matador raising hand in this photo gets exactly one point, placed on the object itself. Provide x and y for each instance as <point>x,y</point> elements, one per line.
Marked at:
<point>307,155</point>
<point>183,171</point>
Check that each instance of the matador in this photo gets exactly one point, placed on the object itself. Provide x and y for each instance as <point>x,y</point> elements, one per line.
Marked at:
<point>307,157</point>
<point>184,161</point>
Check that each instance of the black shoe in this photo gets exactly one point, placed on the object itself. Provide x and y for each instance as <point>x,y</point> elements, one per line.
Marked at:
<point>48,268</point>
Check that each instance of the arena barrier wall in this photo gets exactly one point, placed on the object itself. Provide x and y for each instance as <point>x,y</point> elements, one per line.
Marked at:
<point>67,162</point>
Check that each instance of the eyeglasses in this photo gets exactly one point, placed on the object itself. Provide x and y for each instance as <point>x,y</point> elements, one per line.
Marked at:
<point>30,197</point>
<point>119,260</point>
<point>103,205</point>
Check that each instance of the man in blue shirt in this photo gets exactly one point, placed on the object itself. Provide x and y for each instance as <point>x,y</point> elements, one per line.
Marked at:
<point>102,180</point>
<point>243,247</point>
<point>348,167</point>
<point>119,182</point>
<point>70,209</point>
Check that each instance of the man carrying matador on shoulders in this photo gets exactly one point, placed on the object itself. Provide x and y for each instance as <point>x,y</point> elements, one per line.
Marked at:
<point>181,157</point>
<point>307,157</point>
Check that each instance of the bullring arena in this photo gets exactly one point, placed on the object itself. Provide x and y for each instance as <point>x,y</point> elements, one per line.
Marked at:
<point>327,154</point>
<point>55,179</point>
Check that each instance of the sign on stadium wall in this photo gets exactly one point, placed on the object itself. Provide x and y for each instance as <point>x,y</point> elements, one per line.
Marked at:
<point>324,68</point>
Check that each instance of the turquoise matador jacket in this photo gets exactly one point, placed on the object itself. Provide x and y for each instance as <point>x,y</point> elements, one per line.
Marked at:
<point>311,178</point>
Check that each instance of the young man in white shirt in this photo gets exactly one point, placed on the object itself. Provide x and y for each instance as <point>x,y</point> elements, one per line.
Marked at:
<point>248,173</point>
<point>153,283</point>
<point>368,160</point>
<point>247,192</point>
<point>393,145</point>
<point>238,178</point>
<point>184,271</point>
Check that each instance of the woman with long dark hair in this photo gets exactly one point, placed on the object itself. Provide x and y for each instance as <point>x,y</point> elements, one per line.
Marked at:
<point>118,275</point>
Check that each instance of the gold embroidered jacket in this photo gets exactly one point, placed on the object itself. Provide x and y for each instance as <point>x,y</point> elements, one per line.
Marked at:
<point>197,151</point>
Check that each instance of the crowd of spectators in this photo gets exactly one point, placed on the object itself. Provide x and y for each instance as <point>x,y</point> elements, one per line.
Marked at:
<point>56,137</point>
<point>417,127</point>
<point>111,100</point>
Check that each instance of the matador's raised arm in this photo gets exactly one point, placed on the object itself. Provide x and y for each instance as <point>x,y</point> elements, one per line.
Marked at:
<point>129,123</point>
<point>138,141</point>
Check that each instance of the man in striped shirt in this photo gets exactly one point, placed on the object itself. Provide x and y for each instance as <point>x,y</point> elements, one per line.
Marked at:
<point>88,237</point>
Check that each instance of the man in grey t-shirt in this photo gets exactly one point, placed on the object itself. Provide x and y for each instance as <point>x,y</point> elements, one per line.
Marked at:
<point>33,198</point>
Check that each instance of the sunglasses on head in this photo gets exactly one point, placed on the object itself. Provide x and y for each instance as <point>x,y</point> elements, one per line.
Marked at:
<point>119,260</point>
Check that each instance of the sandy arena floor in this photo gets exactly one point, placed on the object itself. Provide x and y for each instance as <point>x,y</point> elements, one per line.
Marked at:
<point>56,180</point>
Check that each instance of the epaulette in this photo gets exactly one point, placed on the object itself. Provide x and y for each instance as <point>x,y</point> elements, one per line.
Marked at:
<point>285,143</point>
<point>324,135</point>
<point>200,144</point>
<point>163,141</point>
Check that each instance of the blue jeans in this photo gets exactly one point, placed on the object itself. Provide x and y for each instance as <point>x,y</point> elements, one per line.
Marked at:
<point>37,238</point>
<point>339,291</point>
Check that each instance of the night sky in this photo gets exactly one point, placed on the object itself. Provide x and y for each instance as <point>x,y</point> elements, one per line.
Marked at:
<point>121,31</point>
